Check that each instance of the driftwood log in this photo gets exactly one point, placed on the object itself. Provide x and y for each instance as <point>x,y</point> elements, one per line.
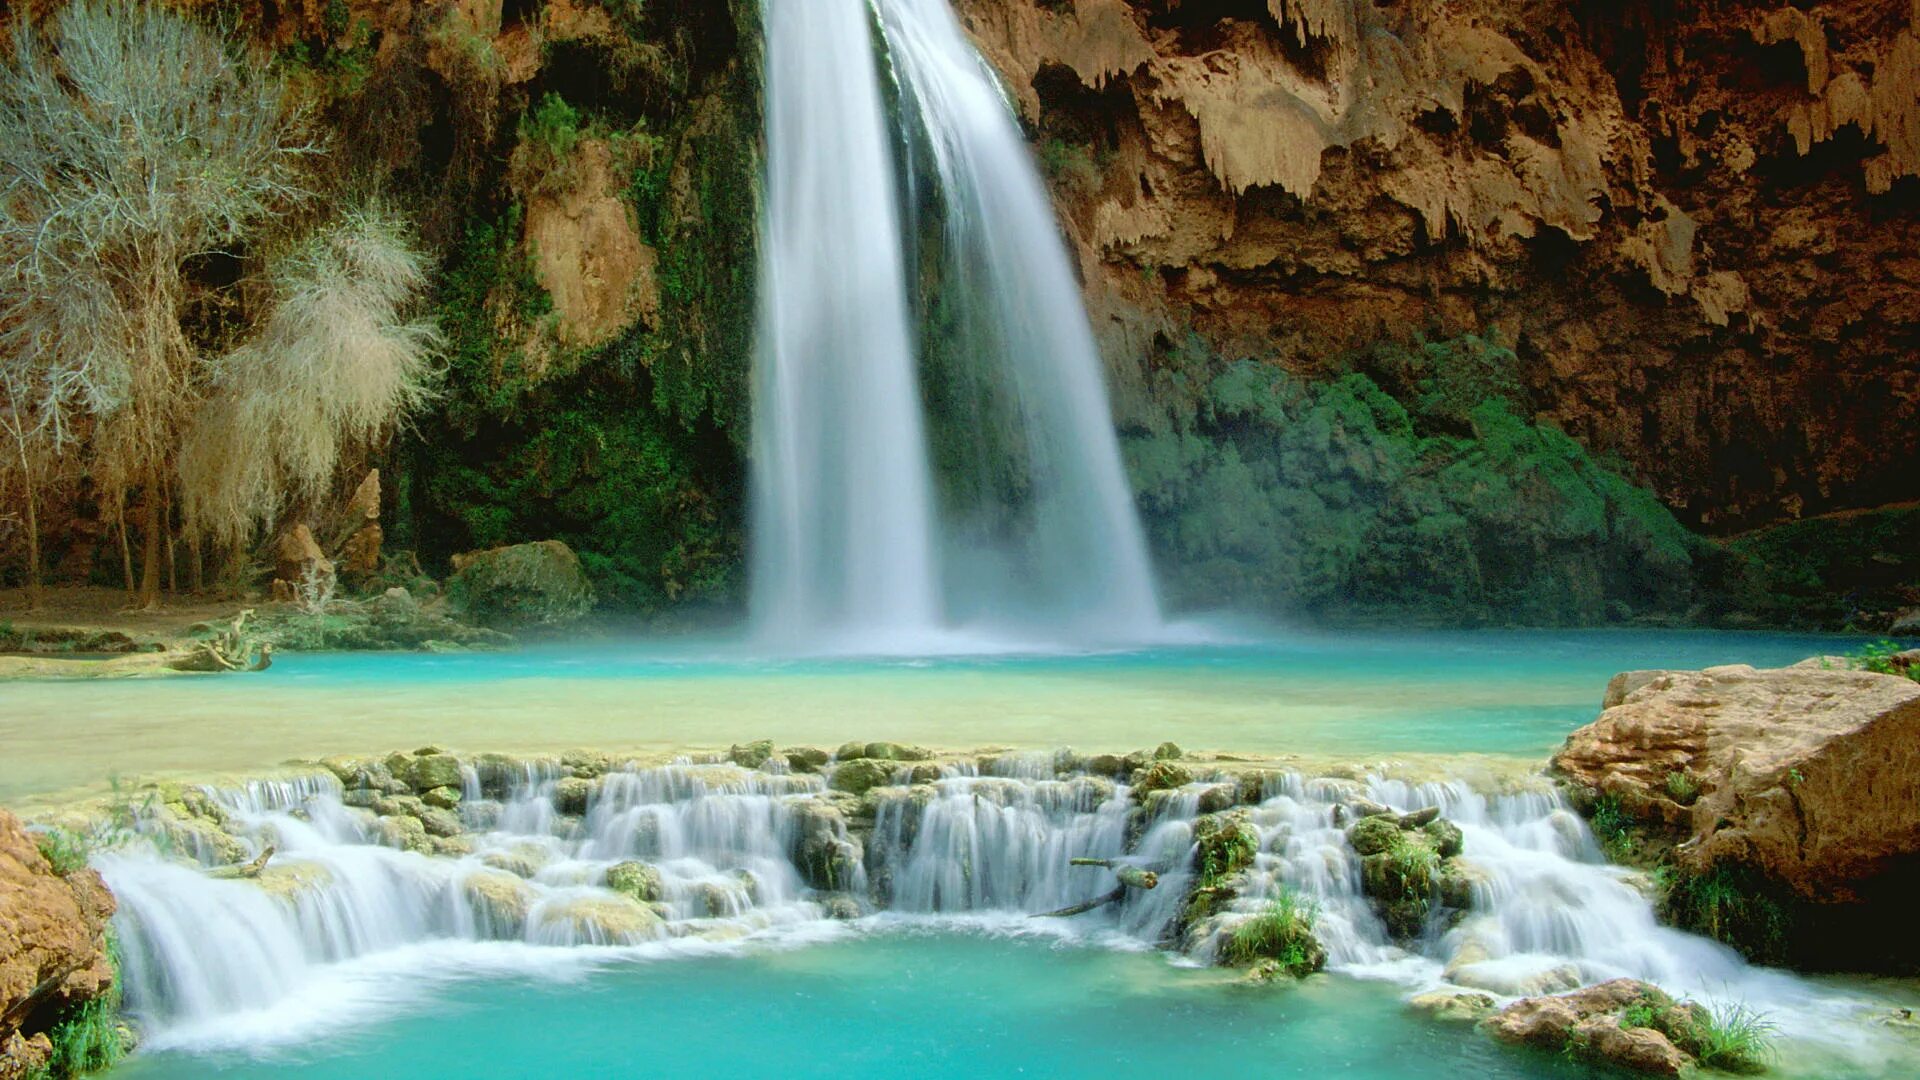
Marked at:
<point>1129,876</point>
<point>244,870</point>
<point>230,650</point>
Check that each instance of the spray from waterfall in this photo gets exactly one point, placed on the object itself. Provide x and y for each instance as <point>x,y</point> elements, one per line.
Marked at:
<point>1026,527</point>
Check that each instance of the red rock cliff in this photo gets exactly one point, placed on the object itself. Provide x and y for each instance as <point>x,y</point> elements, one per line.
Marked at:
<point>1697,222</point>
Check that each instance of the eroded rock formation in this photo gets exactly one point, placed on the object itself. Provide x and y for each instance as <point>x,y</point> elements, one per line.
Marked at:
<point>1791,791</point>
<point>53,950</point>
<point>1696,222</point>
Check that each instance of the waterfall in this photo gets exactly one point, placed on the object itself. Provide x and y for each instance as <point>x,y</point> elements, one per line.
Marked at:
<point>842,542</point>
<point>1036,536</point>
<point>344,921</point>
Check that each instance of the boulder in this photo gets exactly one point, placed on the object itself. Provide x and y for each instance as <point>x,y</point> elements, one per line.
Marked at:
<point>605,919</point>
<point>805,759</point>
<point>1623,1022</point>
<point>572,794</point>
<point>53,950</point>
<point>752,755</point>
<point>1790,791</point>
<point>1455,1005</point>
<point>860,775</point>
<point>1160,776</point>
<point>635,879</point>
<point>299,562</point>
<point>500,902</point>
<point>431,771</point>
<point>539,584</point>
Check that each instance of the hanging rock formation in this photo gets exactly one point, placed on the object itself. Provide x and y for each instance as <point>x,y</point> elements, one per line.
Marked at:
<point>1698,223</point>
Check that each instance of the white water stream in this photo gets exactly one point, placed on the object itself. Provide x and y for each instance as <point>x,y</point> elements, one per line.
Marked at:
<point>343,927</point>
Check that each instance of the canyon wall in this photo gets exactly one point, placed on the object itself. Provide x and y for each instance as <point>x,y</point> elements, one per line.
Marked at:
<point>1695,224</point>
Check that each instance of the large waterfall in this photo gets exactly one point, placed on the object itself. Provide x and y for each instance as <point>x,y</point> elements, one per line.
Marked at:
<point>350,912</point>
<point>1026,527</point>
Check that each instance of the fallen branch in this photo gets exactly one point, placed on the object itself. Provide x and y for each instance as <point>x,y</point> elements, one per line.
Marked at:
<point>244,870</point>
<point>1129,876</point>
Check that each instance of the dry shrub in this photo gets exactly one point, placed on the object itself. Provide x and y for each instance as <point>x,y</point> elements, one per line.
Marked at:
<point>334,366</point>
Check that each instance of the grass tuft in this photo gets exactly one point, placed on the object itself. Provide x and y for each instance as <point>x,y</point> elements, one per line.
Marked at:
<point>1732,1037</point>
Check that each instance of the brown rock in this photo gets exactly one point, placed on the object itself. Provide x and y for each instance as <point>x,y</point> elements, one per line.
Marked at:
<point>1294,181</point>
<point>52,943</point>
<point>1807,775</point>
<point>297,557</point>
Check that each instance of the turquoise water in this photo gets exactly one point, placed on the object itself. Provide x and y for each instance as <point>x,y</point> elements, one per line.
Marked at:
<point>902,1004</point>
<point>1490,692</point>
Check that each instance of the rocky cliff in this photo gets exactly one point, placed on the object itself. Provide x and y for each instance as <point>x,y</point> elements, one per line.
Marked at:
<point>1694,222</point>
<point>54,963</point>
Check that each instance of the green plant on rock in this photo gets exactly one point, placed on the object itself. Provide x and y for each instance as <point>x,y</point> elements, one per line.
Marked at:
<point>1683,787</point>
<point>88,1038</point>
<point>1614,827</point>
<point>1282,932</point>
<point>1729,1036</point>
<point>1883,658</point>
<point>66,852</point>
<point>1731,905</point>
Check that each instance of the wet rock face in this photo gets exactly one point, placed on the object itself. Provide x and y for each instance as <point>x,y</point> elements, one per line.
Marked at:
<point>53,956</point>
<point>1798,784</point>
<point>1706,263</point>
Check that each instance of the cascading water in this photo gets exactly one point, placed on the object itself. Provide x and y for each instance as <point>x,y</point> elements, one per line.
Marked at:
<point>344,922</point>
<point>842,540</point>
<point>848,551</point>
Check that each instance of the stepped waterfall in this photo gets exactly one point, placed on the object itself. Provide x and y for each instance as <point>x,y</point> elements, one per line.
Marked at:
<point>864,538</point>
<point>344,920</point>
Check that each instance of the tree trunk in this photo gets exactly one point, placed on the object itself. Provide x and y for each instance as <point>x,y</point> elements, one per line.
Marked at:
<point>126,548</point>
<point>150,563</point>
<point>36,588</point>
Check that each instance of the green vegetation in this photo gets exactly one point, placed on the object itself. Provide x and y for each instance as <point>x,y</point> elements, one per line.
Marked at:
<point>1847,571</point>
<point>1731,905</point>
<point>1683,787</point>
<point>1070,166</point>
<point>1731,1037</point>
<point>1614,828</point>
<point>1283,932</point>
<point>66,852</point>
<point>1436,503</point>
<point>1883,657</point>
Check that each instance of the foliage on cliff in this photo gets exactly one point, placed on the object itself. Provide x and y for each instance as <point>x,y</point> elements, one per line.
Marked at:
<point>626,445</point>
<point>1340,500</point>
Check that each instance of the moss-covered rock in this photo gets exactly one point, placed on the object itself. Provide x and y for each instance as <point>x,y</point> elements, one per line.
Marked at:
<point>537,584</point>
<point>860,775</point>
<point>572,794</point>
<point>1160,776</point>
<point>805,759</point>
<point>750,755</point>
<point>638,880</point>
<point>1409,869</point>
<point>430,771</point>
<point>500,902</point>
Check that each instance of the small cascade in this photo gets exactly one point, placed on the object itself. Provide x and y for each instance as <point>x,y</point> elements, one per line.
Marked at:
<point>559,865</point>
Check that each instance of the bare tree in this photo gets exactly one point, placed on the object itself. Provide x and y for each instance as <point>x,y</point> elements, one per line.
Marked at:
<point>131,141</point>
<point>334,366</point>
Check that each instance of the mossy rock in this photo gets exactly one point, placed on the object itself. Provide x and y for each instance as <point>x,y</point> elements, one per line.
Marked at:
<point>805,759</point>
<point>638,880</point>
<point>1373,835</point>
<point>1446,836</point>
<point>750,755</point>
<point>500,902</point>
<point>599,920</point>
<point>1160,776</point>
<point>572,794</point>
<point>1167,751</point>
<point>537,584</point>
<point>430,771</point>
<point>443,798</point>
<point>860,775</point>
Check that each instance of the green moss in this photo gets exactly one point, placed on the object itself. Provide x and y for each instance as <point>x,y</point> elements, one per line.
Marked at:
<point>1732,905</point>
<point>1837,572</point>
<point>1438,502</point>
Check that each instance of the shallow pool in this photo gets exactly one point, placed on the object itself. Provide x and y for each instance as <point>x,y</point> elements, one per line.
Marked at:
<point>1494,692</point>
